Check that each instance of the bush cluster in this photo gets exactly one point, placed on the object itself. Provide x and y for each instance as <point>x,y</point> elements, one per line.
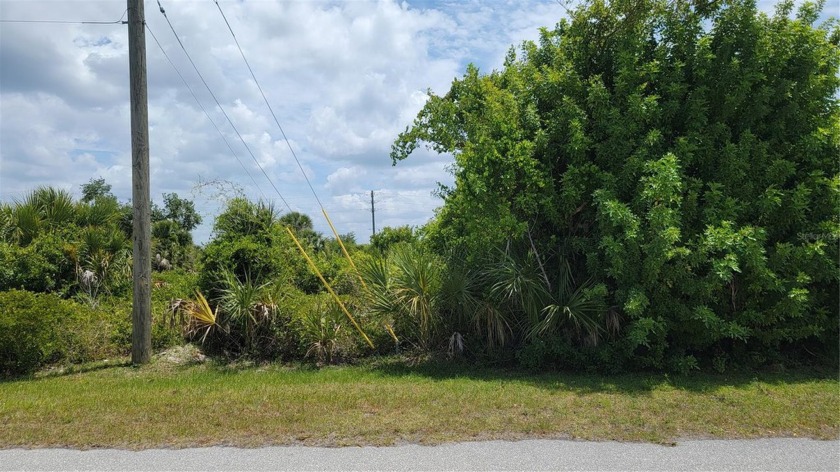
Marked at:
<point>680,157</point>
<point>651,185</point>
<point>37,329</point>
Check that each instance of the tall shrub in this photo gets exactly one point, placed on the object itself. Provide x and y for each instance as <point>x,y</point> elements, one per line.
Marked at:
<point>37,329</point>
<point>682,154</point>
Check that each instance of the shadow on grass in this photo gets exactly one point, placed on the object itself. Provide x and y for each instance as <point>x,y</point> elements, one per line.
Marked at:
<point>634,383</point>
<point>65,370</point>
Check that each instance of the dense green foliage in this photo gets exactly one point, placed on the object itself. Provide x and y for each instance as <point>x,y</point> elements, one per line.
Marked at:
<point>48,243</point>
<point>270,304</point>
<point>653,184</point>
<point>41,328</point>
<point>389,237</point>
<point>682,157</point>
<point>250,243</point>
<point>53,248</point>
<point>51,243</point>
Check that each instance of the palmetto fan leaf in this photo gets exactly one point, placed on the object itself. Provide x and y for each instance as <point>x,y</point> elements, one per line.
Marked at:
<point>26,223</point>
<point>55,206</point>
<point>201,315</point>
<point>519,284</point>
<point>417,287</point>
<point>240,299</point>
<point>579,308</point>
<point>101,212</point>
<point>375,272</point>
<point>247,305</point>
<point>463,297</point>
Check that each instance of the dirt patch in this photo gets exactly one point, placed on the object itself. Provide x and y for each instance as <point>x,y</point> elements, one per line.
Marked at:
<point>181,355</point>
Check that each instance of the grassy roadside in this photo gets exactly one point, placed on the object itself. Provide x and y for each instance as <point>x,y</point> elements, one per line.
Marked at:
<point>389,402</point>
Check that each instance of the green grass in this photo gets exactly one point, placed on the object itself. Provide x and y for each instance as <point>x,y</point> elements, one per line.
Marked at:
<point>390,402</point>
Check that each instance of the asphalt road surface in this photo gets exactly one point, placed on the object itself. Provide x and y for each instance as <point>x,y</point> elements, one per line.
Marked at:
<point>718,455</point>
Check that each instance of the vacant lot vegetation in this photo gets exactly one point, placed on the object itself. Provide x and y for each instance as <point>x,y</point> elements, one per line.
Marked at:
<point>651,189</point>
<point>391,401</point>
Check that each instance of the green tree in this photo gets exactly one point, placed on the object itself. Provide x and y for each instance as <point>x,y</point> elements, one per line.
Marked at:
<point>95,188</point>
<point>304,230</point>
<point>390,236</point>
<point>171,229</point>
<point>684,155</point>
<point>181,211</point>
<point>250,243</point>
<point>297,221</point>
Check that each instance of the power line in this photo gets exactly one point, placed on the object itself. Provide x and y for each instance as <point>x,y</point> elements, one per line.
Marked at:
<point>175,33</point>
<point>288,228</point>
<point>59,22</point>
<point>205,111</point>
<point>63,22</point>
<point>276,121</point>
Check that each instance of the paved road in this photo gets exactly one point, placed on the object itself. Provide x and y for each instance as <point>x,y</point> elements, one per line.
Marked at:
<point>719,455</point>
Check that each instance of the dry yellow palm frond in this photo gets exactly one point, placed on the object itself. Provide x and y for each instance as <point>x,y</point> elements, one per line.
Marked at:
<point>202,316</point>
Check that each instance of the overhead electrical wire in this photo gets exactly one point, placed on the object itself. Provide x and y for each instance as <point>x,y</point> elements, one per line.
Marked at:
<point>289,144</point>
<point>256,161</point>
<point>311,188</point>
<point>65,22</point>
<point>276,121</point>
<point>273,115</point>
<point>205,112</point>
<point>61,22</point>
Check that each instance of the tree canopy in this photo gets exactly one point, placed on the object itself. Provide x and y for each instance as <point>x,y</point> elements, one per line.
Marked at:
<point>684,154</point>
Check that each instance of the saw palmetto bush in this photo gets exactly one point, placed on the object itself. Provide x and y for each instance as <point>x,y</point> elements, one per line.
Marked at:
<point>545,300</point>
<point>250,318</point>
<point>52,243</point>
<point>416,285</point>
<point>320,331</point>
<point>470,311</point>
<point>102,256</point>
<point>405,291</point>
<point>251,313</point>
<point>427,299</point>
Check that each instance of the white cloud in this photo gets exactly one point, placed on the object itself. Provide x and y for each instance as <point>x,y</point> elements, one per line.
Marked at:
<point>346,180</point>
<point>343,78</point>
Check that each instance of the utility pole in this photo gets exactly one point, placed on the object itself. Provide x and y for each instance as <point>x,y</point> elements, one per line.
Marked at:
<point>372,215</point>
<point>141,312</point>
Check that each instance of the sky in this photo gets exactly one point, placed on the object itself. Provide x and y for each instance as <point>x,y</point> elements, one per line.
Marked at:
<point>343,78</point>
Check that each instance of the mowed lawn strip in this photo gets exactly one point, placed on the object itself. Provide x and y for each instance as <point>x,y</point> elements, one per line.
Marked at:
<point>388,403</point>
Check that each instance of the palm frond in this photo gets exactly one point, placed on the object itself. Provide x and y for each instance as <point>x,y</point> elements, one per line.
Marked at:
<point>55,205</point>
<point>27,223</point>
<point>201,315</point>
<point>320,330</point>
<point>581,309</point>
<point>240,299</point>
<point>492,323</point>
<point>520,285</point>
<point>417,287</point>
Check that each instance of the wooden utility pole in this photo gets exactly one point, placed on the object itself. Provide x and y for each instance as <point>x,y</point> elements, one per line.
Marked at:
<point>372,215</point>
<point>141,313</point>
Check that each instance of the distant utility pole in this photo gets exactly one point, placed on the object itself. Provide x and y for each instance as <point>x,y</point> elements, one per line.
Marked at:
<point>141,313</point>
<point>372,215</point>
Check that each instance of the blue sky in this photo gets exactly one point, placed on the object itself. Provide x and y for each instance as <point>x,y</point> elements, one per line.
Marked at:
<point>344,78</point>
